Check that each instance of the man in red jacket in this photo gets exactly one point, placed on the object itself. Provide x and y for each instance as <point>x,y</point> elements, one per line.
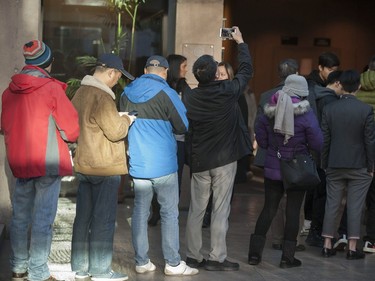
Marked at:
<point>37,121</point>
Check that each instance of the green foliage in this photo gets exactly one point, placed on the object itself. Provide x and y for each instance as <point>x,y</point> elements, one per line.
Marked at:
<point>85,62</point>
<point>118,7</point>
<point>131,7</point>
<point>73,85</point>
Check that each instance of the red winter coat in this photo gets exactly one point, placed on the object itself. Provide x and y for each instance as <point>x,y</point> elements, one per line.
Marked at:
<point>36,119</point>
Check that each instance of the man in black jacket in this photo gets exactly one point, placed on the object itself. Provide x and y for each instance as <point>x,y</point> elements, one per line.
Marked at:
<point>217,138</point>
<point>327,63</point>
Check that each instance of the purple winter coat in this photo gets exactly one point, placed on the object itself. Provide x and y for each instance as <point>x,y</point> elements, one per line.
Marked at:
<point>306,133</point>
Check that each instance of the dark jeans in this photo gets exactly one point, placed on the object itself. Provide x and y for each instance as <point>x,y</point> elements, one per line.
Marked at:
<point>180,162</point>
<point>319,202</point>
<point>94,224</point>
<point>370,203</point>
<point>273,192</point>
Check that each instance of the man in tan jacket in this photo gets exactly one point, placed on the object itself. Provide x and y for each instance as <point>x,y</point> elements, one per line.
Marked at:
<point>99,161</point>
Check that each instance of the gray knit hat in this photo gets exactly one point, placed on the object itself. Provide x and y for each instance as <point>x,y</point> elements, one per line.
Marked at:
<point>296,85</point>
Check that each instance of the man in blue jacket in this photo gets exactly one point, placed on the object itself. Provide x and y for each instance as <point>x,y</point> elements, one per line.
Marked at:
<point>153,162</point>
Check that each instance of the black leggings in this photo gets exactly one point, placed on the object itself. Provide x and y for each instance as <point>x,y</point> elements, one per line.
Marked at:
<point>273,193</point>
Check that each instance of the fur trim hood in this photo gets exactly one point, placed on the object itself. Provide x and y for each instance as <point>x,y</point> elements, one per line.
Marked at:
<point>89,80</point>
<point>300,108</point>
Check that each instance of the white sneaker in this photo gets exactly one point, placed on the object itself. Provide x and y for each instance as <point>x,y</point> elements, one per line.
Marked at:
<point>304,231</point>
<point>341,243</point>
<point>82,276</point>
<point>180,270</point>
<point>110,276</point>
<point>148,267</point>
<point>307,224</point>
<point>369,247</point>
<point>305,228</point>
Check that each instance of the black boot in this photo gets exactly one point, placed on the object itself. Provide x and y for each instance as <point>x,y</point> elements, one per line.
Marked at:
<point>314,238</point>
<point>256,248</point>
<point>153,221</point>
<point>287,259</point>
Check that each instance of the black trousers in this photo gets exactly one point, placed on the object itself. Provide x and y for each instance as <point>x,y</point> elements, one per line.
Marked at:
<point>319,202</point>
<point>273,192</point>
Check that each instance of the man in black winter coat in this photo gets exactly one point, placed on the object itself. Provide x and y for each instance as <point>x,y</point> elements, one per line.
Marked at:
<point>327,63</point>
<point>217,138</point>
<point>317,80</point>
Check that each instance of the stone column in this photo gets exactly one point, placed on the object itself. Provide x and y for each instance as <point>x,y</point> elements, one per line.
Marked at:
<point>195,30</point>
<point>20,21</point>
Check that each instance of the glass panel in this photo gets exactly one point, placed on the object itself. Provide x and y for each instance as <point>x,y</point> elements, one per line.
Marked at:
<point>75,28</point>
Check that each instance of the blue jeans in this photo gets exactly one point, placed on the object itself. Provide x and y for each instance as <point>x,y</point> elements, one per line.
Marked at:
<point>166,189</point>
<point>94,224</point>
<point>34,204</point>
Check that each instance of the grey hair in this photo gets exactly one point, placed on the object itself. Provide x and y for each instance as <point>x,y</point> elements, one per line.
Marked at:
<point>287,67</point>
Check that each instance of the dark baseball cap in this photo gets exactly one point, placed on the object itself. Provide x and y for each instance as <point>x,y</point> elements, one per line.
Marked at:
<point>113,61</point>
<point>157,61</point>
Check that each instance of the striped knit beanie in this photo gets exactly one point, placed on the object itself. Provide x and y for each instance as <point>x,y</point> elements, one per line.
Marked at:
<point>37,53</point>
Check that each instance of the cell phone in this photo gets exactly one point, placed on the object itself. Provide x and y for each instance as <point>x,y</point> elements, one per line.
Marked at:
<point>226,33</point>
<point>133,112</point>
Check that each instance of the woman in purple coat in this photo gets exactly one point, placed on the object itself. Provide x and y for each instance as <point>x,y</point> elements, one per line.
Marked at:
<point>287,122</point>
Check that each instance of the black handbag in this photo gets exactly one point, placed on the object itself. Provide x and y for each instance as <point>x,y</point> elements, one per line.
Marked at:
<point>298,173</point>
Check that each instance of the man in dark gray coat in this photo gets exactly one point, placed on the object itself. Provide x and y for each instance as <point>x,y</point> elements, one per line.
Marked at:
<point>348,158</point>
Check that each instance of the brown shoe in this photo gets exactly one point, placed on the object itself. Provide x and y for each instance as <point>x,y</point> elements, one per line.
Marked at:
<point>19,276</point>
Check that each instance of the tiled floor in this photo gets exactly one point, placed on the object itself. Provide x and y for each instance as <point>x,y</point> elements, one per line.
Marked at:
<point>246,205</point>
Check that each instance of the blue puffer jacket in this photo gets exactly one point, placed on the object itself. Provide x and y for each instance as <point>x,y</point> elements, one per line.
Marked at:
<point>161,113</point>
<point>307,135</point>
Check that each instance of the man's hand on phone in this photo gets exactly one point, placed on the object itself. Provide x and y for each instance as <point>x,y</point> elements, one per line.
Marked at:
<point>237,35</point>
<point>132,117</point>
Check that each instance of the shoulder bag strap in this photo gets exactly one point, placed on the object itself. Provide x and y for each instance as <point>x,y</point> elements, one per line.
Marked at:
<point>274,139</point>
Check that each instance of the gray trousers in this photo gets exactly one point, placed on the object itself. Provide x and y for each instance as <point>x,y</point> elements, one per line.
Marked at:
<point>356,182</point>
<point>220,180</point>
